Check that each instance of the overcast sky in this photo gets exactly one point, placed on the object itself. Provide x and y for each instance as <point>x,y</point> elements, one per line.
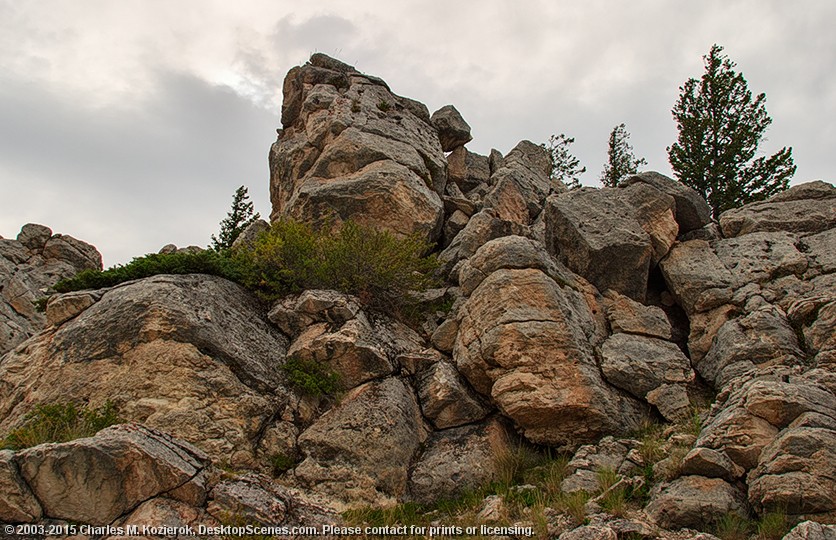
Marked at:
<point>130,123</point>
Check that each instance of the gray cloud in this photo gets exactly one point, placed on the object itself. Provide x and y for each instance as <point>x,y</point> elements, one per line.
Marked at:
<point>154,172</point>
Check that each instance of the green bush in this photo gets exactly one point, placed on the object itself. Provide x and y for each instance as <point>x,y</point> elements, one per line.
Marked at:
<point>383,271</point>
<point>202,262</point>
<point>60,422</point>
<point>310,377</point>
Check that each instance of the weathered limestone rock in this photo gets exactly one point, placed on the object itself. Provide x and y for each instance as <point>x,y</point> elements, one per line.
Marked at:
<point>457,460</point>
<point>761,338</point>
<point>359,451</point>
<point>350,351</point>
<point>454,225</point>
<point>29,267</point>
<point>468,170</point>
<point>630,317</point>
<point>17,504</point>
<point>805,208</point>
<point>711,464</point>
<point>691,210</point>
<point>750,412</point>
<point>596,235</point>
<point>510,251</point>
<point>811,530</point>
<point>697,277</point>
<point>522,341</point>
<point>640,364</point>
<point>445,399</point>
<point>34,237</point>
<point>695,502</point>
<point>80,255</point>
<point>522,184</point>
<point>758,257</point>
<point>453,131</point>
<point>819,247</point>
<point>98,479</point>
<point>481,228</point>
<point>351,149</point>
<point>610,453</point>
<point>254,498</point>
<point>163,512</point>
<point>191,355</point>
<point>293,314</point>
<point>62,308</point>
<point>796,473</point>
<point>654,210</point>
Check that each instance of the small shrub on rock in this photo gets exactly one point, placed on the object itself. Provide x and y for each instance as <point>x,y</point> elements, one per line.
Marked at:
<point>60,422</point>
<point>310,377</point>
<point>383,271</point>
<point>202,262</point>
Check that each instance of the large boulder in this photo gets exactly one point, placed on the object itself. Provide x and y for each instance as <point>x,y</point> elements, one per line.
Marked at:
<point>98,479</point>
<point>359,452</point>
<point>695,502</point>
<point>191,355</point>
<point>29,267</point>
<point>351,149</point>
<point>453,131</point>
<point>525,342</point>
<point>805,208</point>
<point>457,460</point>
<point>521,185</point>
<point>691,210</point>
<point>612,237</point>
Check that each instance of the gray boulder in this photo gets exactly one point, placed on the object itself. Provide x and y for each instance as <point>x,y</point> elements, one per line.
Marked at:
<point>191,355</point>
<point>457,460</point>
<point>359,452</point>
<point>805,208</point>
<point>98,479</point>
<point>453,131</point>
<point>692,212</point>
<point>696,502</point>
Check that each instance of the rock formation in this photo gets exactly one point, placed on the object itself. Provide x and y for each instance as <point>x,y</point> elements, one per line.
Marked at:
<point>29,266</point>
<point>577,318</point>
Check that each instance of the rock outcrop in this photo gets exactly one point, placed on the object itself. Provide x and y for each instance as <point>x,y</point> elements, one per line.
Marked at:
<point>29,267</point>
<point>352,149</point>
<point>572,320</point>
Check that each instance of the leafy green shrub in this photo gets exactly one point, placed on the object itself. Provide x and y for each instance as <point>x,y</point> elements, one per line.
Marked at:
<point>383,271</point>
<point>60,422</point>
<point>202,262</point>
<point>310,377</point>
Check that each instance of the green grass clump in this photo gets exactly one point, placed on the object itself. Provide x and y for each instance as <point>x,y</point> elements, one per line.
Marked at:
<point>773,525</point>
<point>310,377</point>
<point>202,262</point>
<point>733,527</point>
<point>58,423</point>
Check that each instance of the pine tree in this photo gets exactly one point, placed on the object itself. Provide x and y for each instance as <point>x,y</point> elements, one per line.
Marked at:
<point>564,166</point>
<point>620,158</point>
<point>720,127</point>
<point>237,219</point>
